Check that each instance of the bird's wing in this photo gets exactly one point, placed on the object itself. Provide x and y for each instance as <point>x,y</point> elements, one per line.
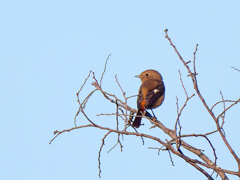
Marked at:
<point>152,90</point>
<point>140,98</point>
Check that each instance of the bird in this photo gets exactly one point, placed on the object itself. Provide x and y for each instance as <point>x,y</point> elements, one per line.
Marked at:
<point>150,95</point>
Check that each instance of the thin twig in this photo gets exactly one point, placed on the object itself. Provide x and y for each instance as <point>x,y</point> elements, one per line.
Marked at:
<point>177,123</point>
<point>224,107</point>
<point>221,102</point>
<point>67,130</point>
<point>104,70</point>
<point>135,129</point>
<point>159,149</point>
<point>132,96</point>
<point>170,157</point>
<point>118,140</point>
<point>182,83</point>
<point>125,103</point>
<point>235,69</point>
<point>177,120</point>
<point>194,64</point>
<point>227,108</point>
<point>99,153</point>
<point>78,98</point>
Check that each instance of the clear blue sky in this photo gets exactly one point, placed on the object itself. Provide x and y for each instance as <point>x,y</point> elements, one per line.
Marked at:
<point>47,49</point>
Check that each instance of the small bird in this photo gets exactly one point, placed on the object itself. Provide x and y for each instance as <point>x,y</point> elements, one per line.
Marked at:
<point>151,94</point>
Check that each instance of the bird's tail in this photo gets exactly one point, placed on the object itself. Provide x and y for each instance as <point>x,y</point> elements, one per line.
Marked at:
<point>137,121</point>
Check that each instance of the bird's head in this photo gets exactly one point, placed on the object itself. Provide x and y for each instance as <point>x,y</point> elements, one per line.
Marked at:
<point>149,74</point>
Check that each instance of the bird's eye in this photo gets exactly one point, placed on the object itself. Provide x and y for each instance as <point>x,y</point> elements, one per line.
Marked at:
<point>147,74</point>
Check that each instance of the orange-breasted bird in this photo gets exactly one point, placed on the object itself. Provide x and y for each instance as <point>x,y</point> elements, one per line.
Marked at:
<point>151,94</point>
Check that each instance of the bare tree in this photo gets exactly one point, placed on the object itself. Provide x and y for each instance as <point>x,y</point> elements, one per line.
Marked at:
<point>174,145</point>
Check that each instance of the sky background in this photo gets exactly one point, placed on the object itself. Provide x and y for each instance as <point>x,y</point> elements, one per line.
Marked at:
<point>47,49</point>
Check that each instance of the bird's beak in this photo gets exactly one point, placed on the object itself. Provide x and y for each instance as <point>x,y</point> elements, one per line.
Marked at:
<point>138,76</point>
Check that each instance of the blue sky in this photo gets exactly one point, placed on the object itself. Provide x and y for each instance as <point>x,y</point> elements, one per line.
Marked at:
<point>47,49</point>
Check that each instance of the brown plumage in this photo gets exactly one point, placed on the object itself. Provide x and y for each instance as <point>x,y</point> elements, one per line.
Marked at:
<point>150,95</point>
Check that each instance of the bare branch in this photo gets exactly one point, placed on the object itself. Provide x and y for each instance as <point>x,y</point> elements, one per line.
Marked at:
<point>204,103</point>
<point>205,136</point>
<point>167,145</point>
<point>178,137</point>
<point>68,130</point>
<point>127,113</point>
<point>106,95</point>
